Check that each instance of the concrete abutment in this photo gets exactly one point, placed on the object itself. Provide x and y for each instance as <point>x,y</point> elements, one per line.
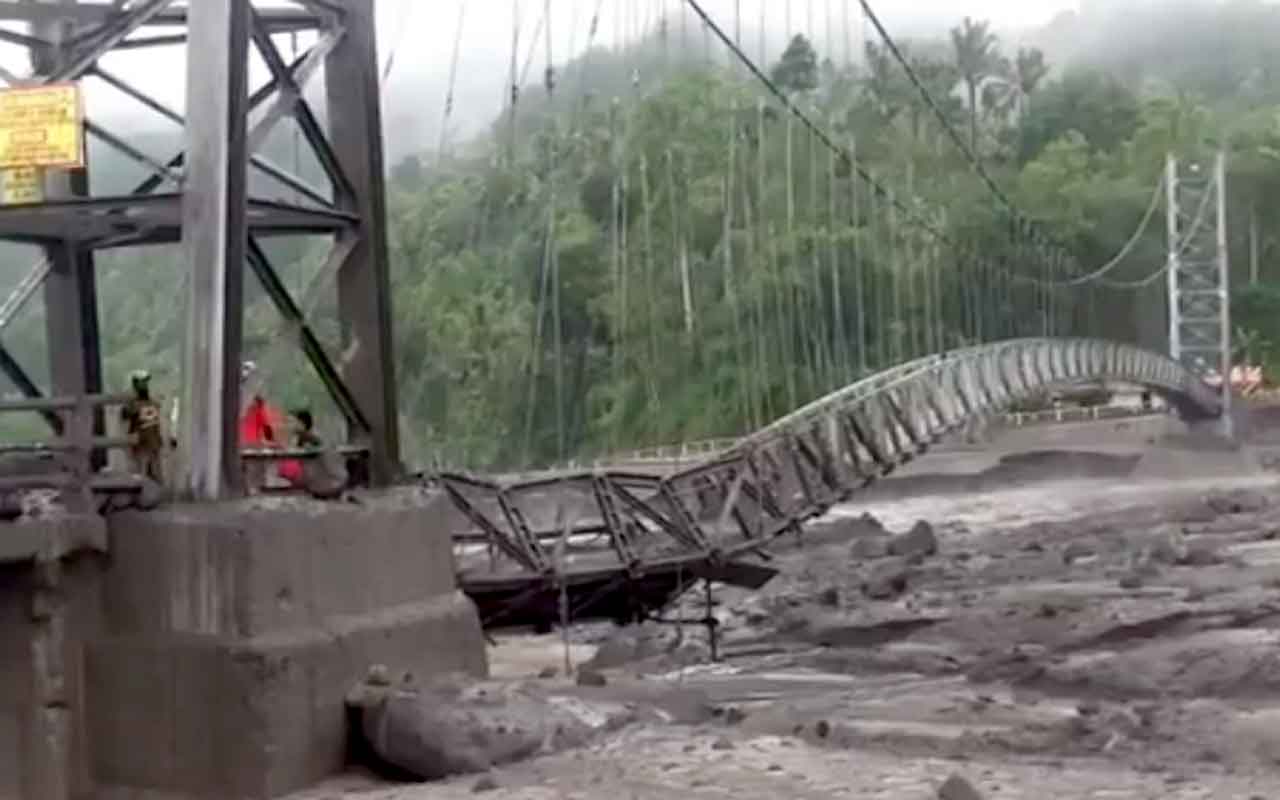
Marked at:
<point>208,653</point>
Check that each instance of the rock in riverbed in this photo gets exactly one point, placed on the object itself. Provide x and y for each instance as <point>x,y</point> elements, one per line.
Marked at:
<point>435,732</point>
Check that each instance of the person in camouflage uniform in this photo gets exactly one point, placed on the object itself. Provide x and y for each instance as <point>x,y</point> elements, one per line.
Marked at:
<point>141,418</point>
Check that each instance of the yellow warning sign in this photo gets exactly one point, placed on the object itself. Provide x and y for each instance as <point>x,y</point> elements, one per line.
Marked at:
<point>42,126</point>
<point>22,185</point>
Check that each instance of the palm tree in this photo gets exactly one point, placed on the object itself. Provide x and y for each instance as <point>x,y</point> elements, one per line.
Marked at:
<point>881,82</point>
<point>1008,92</point>
<point>939,77</point>
<point>1029,71</point>
<point>976,59</point>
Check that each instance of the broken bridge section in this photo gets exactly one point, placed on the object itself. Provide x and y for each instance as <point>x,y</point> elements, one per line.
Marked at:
<point>620,545</point>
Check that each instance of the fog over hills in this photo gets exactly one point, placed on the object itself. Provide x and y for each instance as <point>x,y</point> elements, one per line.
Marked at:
<point>418,38</point>
<point>446,237</point>
<point>417,42</point>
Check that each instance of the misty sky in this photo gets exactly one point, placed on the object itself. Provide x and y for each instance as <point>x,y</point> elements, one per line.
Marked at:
<point>417,38</point>
<point>424,30</point>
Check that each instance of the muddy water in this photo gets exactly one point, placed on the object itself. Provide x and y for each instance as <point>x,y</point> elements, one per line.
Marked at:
<point>1053,502</point>
<point>1127,670</point>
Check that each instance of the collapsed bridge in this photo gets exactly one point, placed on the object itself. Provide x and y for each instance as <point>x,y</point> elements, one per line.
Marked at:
<point>608,544</point>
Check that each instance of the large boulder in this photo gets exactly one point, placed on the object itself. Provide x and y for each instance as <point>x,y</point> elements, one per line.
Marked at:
<point>870,547</point>
<point>887,579</point>
<point>918,542</point>
<point>862,525</point>
<point>435,732</point>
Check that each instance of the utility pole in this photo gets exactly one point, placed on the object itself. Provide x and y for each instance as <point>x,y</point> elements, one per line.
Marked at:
<point>1199,285</point>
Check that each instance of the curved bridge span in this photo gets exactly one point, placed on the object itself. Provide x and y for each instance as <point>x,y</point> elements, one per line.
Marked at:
<point>621,545</point>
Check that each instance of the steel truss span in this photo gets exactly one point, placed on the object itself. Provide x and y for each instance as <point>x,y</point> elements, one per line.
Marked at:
<point>620,545</point>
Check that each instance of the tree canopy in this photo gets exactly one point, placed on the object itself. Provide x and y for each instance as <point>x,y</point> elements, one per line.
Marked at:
<point>797,70</point>
<point>657,251</point>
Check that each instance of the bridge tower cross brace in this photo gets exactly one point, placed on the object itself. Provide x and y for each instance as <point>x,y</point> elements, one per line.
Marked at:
<point>1199,274</point>
<point>218,239</point>
<point>220,198</point>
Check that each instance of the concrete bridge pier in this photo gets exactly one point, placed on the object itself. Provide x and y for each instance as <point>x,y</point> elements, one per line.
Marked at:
<point>50,571</point>
<point>208,653</point>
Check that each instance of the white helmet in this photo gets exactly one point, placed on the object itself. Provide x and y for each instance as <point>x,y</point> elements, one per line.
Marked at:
<point>247,369</point>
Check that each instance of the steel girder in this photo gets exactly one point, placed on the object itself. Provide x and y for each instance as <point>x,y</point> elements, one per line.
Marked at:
<point>733,504</point>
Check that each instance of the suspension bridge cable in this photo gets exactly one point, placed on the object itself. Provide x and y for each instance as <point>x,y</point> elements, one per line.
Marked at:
<point>538,31</point>
<point>798,114</point>
<point>1197,222</point>
<point>1128,245</point>
<point>713,28</point>
<point>1140,282</point>
<point>730,275</point>
<point>406,14</point>
<point>764,27</point>
<point>848,42</point>
<point>549,78</point>
<point>1018,217</point>
<point>859,279</point>
<point>829,34</point>
<point>513,80</point>
<point>447,114</point>
<point>581,107</point>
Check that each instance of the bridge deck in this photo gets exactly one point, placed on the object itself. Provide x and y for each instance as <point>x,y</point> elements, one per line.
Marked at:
<point>599,593</point>
<point>529,546</point>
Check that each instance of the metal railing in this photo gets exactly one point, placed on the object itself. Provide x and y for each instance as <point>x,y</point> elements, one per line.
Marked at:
<point>70,452</point>
<point>71,449</point>
<point>696,450</point>
<point>1022,419</point>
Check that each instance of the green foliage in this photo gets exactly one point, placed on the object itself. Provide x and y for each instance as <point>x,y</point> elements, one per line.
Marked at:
<point>656,251</point>
<point>977,57</point>
<point>1256,313</point>
<point>797,70</point>
<point>1103,110</point>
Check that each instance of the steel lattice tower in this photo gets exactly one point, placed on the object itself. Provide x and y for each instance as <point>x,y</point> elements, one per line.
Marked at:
<point>202,198</point>
<point>1198,272</point>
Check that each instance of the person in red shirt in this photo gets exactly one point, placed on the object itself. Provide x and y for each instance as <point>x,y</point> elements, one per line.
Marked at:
<point>260,426</point>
